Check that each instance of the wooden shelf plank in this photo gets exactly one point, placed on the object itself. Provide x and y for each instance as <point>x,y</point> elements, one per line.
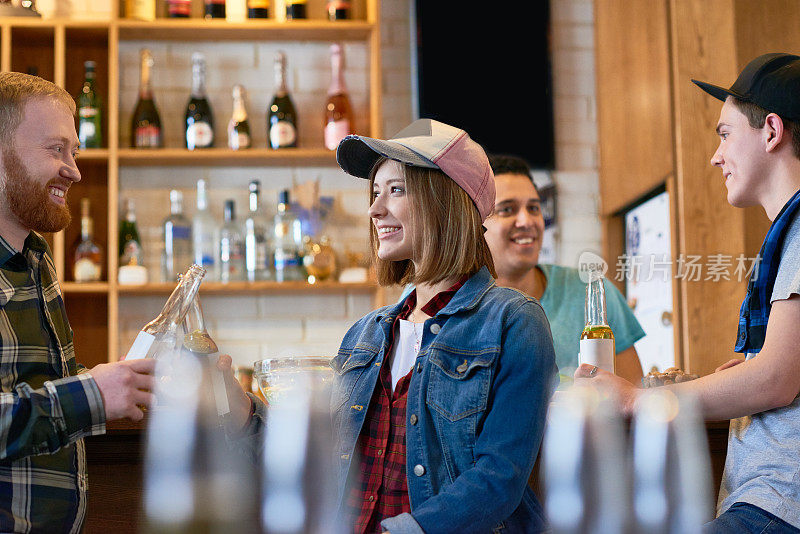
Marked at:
<point>251,30</point>
<point>226,157</point>
<point>239,288</point>
<point>84,287</point>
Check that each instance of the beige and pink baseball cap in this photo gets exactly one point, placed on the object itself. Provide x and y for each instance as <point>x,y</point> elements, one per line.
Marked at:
<point>426,143</point>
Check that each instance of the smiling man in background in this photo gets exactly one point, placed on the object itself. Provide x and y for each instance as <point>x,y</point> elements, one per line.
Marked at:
<point>47,405</point>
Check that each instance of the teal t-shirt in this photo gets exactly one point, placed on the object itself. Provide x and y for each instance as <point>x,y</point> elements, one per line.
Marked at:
<point>563,301</point>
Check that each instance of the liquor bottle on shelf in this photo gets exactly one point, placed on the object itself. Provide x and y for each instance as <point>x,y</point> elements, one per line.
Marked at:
<point>231,247</point>
<point>146,122</point>
<point>177,256</point>
<point>281,117</point>
<point>90,133</point>
<point>140,9</point>
<point>295,9</point>
<point>256,239</point>
<point>288,242</point>
<point>199,132</point>
<point>215,9</point>
<point>87,265</point>
<point>161,334</point>
<point>338,9</point>
<point>239,126</point>
<point>597,339</point>
<point>131,261</point>
<point>179,8</point>
<point>338,113</point>
<point>205,234</point>
<point>257,9</point>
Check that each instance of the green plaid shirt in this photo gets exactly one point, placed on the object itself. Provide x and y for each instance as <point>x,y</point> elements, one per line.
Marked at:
<point>46,406</point>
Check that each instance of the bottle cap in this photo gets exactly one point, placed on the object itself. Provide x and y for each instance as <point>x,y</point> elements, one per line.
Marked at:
<point>255,186</point>
<point>230,210</point>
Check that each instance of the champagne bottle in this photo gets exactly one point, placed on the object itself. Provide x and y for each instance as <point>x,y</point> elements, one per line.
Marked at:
<point>87,264</point>
<point>338,114</point>
<point>177,231</point>
<point>199,132</point>
<point>146,122</point>
<point>90,132</point>
<point>288,242</point>
<point>239,126</point>
<point>204,234</point>
<point>160,335</point>
<point>597,339</point>
<point>231,247</point>
<point>215,9</point>
<point>256,241</point>
<point>295,9</point>
<point>338,9</point>
<point>198,342</point>
<point>281,117</point>
<point>130,246</point>
<point>140,9</point>
<point>258,9</point>
<point>179,8</point>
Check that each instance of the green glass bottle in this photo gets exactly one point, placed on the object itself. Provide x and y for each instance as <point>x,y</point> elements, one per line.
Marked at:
<point>90,131</point>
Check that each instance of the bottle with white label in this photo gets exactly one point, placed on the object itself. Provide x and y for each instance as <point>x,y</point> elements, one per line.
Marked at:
<point>161,334</point>
<point>199,119</point>
<point>597,339</point>
<point>281,115</point>
<point>205,233</point>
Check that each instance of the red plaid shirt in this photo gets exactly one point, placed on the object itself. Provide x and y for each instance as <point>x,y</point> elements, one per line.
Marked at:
<point>378,486</point>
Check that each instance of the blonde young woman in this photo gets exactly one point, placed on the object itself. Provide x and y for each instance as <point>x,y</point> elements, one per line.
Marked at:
<point>439,401</point>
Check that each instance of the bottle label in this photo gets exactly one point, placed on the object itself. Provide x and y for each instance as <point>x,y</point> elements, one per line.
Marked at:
<point>598,352</point>
<point>140,346</point>
<point>180,8</point>
<point>284,259</point>
<point>199,135</point>
<point>238,141</point>
<point>87,112</point>
<point>148,136</point>
<point>282,134</point>
<point>181,232</point>
<point>262,256</point>
<point>87,130</point>
<point>335,131</point>
<point>86,270</point>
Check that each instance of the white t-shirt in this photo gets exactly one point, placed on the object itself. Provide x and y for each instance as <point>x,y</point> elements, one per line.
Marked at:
<point>405,349</point>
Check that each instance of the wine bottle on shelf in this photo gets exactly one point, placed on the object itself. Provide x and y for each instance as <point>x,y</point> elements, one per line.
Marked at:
<point>281,117</point>
<point>130,246</point>
<point>231,247</point>
<point>215,9</point>
<point>90,132</point>
<point>146,122</point>
<point>177,230</point>
<point>256,240</point>
<point>205,233</point>
<point>295,9</point>
<point>288,242</point>
<point>338,9</point>
<point>239,126</point>
<point>179,8</point>
<point>257,9</point>
<point>199,131</point>
<point>87,265</point>
<point>338,113</point>
<point>597,338</point>
<point>140,9</point>
<point>161,334</point>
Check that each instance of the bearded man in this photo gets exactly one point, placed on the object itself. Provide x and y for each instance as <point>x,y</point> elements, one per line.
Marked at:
<point>47,403</point>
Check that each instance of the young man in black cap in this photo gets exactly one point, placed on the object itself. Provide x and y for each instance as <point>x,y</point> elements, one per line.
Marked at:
<point>759,155</point>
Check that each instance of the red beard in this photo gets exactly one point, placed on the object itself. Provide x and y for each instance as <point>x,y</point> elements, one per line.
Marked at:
<point>29,200</point>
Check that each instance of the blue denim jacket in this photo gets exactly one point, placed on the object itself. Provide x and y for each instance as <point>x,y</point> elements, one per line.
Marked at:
<point>475,414</point>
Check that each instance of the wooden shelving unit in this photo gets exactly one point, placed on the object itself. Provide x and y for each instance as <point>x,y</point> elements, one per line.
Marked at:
<point>58,48</point>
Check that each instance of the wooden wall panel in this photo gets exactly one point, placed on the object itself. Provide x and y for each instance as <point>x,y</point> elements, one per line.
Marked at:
<point>633,99</point>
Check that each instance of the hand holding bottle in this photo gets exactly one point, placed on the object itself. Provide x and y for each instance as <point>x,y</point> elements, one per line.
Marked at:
<point>239,403</point>
<point>625,392</point>
<point>124,387</point>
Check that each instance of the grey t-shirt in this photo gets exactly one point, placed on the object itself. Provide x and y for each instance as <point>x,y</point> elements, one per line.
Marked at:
<point>763,463</point>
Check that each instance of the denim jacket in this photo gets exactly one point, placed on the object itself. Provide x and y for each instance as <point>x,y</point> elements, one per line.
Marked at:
<point>475,414</point>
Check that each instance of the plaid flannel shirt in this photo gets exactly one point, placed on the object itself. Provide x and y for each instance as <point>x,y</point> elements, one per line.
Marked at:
<point>46,407</point>
<point>754,313</point>
<point>379,489</point>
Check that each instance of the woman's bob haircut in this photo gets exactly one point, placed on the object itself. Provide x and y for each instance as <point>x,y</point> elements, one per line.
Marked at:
<point>447,234</point>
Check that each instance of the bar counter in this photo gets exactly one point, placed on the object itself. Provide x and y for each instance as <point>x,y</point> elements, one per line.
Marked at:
<point>115,474</point>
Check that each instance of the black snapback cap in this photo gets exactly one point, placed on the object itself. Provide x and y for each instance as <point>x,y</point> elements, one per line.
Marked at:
<point>771,81</point>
